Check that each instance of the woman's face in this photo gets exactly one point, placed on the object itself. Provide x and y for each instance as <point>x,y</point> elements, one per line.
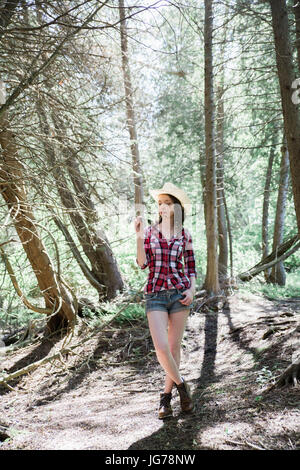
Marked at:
<point>165,206</point>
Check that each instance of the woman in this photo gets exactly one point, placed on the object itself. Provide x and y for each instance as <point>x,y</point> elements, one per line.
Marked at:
<point>170,288</point>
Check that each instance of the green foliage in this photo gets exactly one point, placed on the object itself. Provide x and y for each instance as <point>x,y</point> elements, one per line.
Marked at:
<point>291,289</point>
<point>17,316</point>
<point>258,286</point>
<point>132,313</point>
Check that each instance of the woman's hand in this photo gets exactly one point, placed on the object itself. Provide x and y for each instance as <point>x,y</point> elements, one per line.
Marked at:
<point>189,295</point>
<point>139,225</point>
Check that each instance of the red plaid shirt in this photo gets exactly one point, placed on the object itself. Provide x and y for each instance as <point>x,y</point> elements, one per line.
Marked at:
<point>164,260</point>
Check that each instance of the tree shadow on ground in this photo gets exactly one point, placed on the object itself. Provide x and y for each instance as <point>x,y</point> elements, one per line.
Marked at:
<point>270,353</point>
<point>38,353</point>
<point>107,341</point>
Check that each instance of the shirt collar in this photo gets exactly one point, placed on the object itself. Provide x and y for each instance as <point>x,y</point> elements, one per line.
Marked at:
<point>179,235</point>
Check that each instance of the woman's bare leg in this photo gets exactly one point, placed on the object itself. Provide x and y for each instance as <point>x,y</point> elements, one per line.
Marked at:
<point>177,322</point>
<point>158,325</point>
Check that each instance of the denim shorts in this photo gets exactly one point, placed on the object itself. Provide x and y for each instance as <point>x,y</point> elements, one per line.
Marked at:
<point>166,301</point>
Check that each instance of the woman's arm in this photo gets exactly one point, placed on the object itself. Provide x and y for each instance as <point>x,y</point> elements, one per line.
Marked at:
<point>141,257</point>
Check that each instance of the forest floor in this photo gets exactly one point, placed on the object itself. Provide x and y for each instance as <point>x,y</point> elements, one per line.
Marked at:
<point>105,396</point>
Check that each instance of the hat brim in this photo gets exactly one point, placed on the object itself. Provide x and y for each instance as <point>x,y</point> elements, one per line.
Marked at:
<point>180,195</point>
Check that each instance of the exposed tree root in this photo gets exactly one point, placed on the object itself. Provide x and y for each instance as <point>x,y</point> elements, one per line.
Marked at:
<point>216,302</point>
<point>290,375</point>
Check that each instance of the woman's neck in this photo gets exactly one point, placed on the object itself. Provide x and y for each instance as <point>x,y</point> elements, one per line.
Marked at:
<point>168,230</point>
<point>167,226</point>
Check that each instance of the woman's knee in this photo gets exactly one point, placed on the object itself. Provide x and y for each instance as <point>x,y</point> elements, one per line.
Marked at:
<point>162,348</point>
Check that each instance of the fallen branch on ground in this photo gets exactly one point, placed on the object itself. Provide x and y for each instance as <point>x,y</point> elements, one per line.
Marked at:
<point>280,254</point>
<point>243,443</point>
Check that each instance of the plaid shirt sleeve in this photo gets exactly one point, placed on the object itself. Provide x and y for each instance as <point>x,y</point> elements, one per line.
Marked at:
<point>147,248</point>
<point>189,257</point>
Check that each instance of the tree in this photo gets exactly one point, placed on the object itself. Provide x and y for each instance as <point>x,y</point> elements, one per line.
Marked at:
<point>61,306</point>
<point>131,122</point>
<point>58,299</point>
<point>211,221</point>
<point>221,203</point>
<point>224,231</point>
<point>278,275</point>
<point>286,77</point>
<point>265,214</point>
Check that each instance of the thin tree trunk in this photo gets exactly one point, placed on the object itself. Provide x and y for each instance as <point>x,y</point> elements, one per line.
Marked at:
<point>278,275</point>
<point>229,236</point>
<point>286,75</point>
<point>131,122</point>
<point>212,279</point>
<point>222,227</point>
<point>265,215</point>
<point>77,255</point>
<point>14,193</point>
<point>223,215</point>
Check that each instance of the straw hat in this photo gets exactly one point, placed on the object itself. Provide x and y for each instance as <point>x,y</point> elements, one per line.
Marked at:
<point>170,188</point>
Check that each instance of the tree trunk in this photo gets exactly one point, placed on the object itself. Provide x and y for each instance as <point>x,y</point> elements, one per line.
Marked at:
<point>77,255</point>
<point>131,123</point>
<point>286,77</point>
<point>278,275</point>
<point>56,296</point>
<point>223,215</point>
<point>265,215</point>
<point>212,279</point>
<point>222,227</point>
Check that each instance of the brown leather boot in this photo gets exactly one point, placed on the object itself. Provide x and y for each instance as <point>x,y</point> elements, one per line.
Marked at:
<point>165,409</point>
<point>186,401</point>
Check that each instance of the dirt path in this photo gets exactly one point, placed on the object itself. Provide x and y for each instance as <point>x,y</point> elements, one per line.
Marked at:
<point>107,396</point>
